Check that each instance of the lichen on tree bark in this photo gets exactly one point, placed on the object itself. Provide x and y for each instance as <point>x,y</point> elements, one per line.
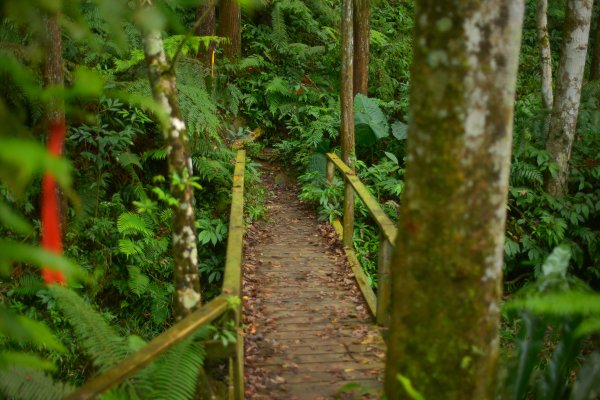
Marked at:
<point>563,120</point>
<point>185,254</point>
<point>347,111</point>
<point>447,268</point>
<point>545,53</point>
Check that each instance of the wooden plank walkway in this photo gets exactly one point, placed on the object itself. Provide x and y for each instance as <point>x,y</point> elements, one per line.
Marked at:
<point>308,333</point>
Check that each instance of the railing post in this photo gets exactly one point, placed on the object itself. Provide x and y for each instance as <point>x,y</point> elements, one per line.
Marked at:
<point>384,286</point>
<point>348,238</point>
<point>330,172</point>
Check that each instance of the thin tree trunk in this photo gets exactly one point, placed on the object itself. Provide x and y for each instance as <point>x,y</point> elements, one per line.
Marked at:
<point>52,73</point>
<point>595,67</point>
<point>347,104</point>
<point>447,268</point>
<point>563,121</point>
<point>545,53</point>
<point>207,28</point>
<point>362,30</point>
<point>185,255</point>
<point>230,17</point>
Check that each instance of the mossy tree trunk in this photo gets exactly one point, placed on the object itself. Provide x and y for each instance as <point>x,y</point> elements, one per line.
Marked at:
<point>206,28</point>
<point>447,268</point>
<point>362,30</point>
<point>569,80</point>
<point>185,254</point>
<point>545,53</point>
<point>230,19</point>
<point>347,110</point>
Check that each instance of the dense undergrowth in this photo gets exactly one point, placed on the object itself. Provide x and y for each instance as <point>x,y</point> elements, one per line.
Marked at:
<point>287,83</point>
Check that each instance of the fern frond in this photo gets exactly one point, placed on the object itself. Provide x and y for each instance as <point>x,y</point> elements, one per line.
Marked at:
<point>253,61</point>
<point>130,224</point>
<point>29,285</point>
<point>100,341</point>
<point>138,282</point>
<point>129,248</point>
<point>31,384</point>
<point>183,362</point>
<point>524,173</point>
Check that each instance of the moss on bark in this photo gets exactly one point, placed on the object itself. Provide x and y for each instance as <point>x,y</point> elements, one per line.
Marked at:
<point>447,269</point>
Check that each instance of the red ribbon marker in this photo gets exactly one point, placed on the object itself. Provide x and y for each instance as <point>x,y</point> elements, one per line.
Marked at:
<point>51,232</point>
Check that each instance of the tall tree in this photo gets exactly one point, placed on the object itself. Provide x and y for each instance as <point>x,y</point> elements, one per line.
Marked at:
<point>206,28</point>
<point>545,53</point>
<point>185,254</point>
<point>55,118</point>
<point>451,232</point>
<point>362,28</point>
<point>563,120</point>
<point>230,18</point>
<point>347,111</point>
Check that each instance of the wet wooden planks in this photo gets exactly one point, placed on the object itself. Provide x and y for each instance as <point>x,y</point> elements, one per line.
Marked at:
<point>313,337</point>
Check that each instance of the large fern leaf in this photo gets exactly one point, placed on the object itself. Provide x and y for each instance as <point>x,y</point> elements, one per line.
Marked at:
<point>100,341</point>
<point>130,224</point>
<point>184,362</point>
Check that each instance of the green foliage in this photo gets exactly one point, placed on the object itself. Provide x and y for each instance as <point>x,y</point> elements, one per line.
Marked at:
<point>369,121</point>
<point>105,347</point>
<point>30,384</point>
<point>558,301</point>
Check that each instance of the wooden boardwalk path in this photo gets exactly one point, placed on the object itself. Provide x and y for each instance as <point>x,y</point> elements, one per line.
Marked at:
<point>308,332</point>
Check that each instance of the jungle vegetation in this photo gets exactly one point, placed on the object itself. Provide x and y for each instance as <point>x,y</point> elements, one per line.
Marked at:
<point>487,156</point>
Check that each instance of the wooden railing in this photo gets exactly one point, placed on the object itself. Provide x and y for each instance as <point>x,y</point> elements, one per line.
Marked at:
<point>228,301</point>
<point>378,305</point>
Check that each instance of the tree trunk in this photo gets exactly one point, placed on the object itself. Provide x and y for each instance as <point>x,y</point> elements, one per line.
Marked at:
<point>545,54</point>
<point>563,120</point>
<point>185,255</point>
<point>362,30</point>
<point>347,105</point>
<point>447,267</point>
<point>595,67</point>
<point>52,73</point>
<point>207,28</point>
<point>230,17</point>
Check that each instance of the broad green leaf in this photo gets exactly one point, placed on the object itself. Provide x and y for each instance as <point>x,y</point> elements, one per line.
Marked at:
<point>588,326</point>
<point>26,330</point>
<point>553,384</point>
<point>399,130</point>
<point>392,157</point>
<point>409,388</point>
<point>565,303</point>
<point>20,359</point>
<point>529,343</point>
<point>587,385</point>
<point>558,261</point>
<point>370,124</point>
<point>21,160</point>
<point>11,251</point>
<point>13,220</point>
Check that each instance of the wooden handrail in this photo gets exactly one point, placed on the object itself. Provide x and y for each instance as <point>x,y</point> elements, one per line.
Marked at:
<point>150,352</point>
<point>383,221</point>
<point>378,305</point>
<point>232,280</point>
<point>230,297</point>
